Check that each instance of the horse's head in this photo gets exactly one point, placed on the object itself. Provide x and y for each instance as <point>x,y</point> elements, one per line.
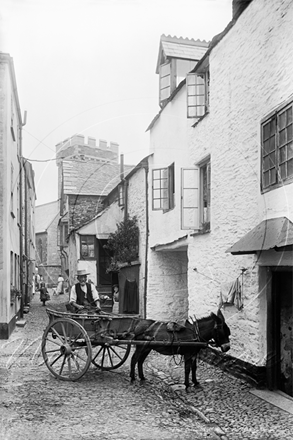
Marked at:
<point>221,332</point>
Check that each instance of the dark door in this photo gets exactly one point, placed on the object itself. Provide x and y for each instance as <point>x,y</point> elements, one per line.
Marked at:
<point>282,293</point>
<point>104,259</point>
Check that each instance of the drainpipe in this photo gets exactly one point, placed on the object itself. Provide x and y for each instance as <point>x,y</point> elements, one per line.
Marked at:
<point>146,239</point>
<point>20,214</point>
<point>125,186</point>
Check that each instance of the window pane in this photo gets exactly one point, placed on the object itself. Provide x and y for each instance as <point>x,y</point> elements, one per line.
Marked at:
<point>191,112</point>
<point>201,101</point>
<point>156,193</point>
<point>266,131</point>
<point>165,93</point>
<point>282,120</point>
<point>266,147</point>
<point>272,176</point>
<point>289,116</point>
<point>290,168</point>
<point>191,90</point>
<point>200,90</point>
<point>191,79</point>
<point>266,180</point>
<point>289,133</point>
<point>200,79</point>
<point>165,82</point>
<point>282,137</point>
<point>156,174</point>
<point>290,150</point>
<point>191,100</point>
<point>283,171</point>
<point>266,164</point>
<point>201,110</point>
<point>282,154</point>
<point>165,69</point>
<point>157,204</point>
<point>272,144</point>
<point>156,184</point>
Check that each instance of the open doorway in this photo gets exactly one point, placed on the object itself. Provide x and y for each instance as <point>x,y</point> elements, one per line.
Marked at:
<point>280,331</point>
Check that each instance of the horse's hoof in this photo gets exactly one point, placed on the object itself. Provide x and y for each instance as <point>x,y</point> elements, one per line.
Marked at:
<point>196,384</point>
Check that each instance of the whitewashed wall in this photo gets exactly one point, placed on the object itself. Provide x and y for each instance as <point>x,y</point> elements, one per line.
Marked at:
<point>251,73</point>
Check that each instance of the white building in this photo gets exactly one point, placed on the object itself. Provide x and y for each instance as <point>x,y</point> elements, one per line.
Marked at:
<point>222,166</point>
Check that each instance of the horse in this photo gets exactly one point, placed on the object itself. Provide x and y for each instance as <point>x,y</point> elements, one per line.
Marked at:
<point>205,330</point>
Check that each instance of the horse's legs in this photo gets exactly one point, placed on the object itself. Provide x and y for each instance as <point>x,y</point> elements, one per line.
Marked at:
<point>193,370</point>
<point>133,362</point>
<point>187,365</point>
<point>143,355</point>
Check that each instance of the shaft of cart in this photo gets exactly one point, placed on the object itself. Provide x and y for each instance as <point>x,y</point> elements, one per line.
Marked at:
<point>158,343</point>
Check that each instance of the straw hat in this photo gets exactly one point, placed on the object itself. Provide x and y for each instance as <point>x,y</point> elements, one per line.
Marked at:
<point>82,272</point>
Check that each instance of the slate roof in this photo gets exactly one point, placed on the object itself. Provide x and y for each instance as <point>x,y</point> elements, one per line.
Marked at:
<point>91,178</point>
<point>44,216</point>
<point>183,48</point>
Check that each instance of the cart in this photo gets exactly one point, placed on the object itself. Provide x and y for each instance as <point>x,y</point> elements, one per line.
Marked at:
<point>72,341</point>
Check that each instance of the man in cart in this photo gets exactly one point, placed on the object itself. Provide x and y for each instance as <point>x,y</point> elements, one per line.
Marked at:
<point>83,295</point>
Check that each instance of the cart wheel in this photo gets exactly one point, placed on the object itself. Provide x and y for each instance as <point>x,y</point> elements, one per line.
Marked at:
<point>110,357</point>
<point>66,349</point>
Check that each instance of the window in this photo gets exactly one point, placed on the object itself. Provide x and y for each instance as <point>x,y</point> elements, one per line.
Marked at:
<point>121,196</point>
<point>87,246</point>
<point>11,192</point>
<point>12,129</point>
<point>197,85</point>
<point>167,79</point>
<point>196,196</point>
<point>277,147</point>
<point>163,188</point>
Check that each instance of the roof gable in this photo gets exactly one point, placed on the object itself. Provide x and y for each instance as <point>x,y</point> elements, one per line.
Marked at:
<point>44,216</point>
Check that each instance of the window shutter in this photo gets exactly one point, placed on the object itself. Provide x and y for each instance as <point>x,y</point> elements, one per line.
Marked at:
<point>189,198</point>
<point>196,95</point>
<point>165,189</point>
<point>165,81</point>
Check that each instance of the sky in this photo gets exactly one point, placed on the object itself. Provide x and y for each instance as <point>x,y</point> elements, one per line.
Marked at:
<point>88,67</point>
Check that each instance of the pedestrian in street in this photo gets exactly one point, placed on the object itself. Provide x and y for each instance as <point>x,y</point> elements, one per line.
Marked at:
<point>115,308</point>
<point>83,295</point>
<point>44,294</point>
<point>60,285</point>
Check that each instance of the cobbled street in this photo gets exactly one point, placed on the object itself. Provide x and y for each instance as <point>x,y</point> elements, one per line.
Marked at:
<point>104,405</point>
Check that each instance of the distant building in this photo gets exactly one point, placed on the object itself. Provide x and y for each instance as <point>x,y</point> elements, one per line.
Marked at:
<point>87,173</point>
<point>48,258</point>
<point>17,198</point>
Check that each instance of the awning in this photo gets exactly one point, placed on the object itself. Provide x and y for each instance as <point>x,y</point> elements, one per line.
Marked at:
<point>273,233</point>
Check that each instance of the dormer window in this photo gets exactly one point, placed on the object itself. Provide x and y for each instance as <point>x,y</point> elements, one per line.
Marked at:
<point>177,57</point>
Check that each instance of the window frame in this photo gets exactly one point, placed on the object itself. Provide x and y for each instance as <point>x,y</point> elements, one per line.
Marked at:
<point>269,155</point>
<point>192,85</point>
<point>201,222</point>
<point>166,188</point>
<point>172,79</point>
<point>88,238</point>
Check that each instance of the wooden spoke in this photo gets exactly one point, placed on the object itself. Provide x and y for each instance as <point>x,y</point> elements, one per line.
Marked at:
<point>66,349</point>
<point>110,357</point>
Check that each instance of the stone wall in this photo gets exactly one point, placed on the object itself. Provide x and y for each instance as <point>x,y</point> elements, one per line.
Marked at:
<point>82,209</point>
<point>250,74</point>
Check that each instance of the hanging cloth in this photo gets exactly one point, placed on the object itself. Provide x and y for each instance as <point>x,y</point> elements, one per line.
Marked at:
<point>130,303</point>
<point>230,294</point>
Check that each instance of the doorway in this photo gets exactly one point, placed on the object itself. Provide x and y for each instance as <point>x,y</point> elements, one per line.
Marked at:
<point>280,331</point>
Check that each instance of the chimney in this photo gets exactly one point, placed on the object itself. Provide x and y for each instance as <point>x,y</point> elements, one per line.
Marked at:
<point>91,141</point>
<point>238,7</point>
<point>103,144</point>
